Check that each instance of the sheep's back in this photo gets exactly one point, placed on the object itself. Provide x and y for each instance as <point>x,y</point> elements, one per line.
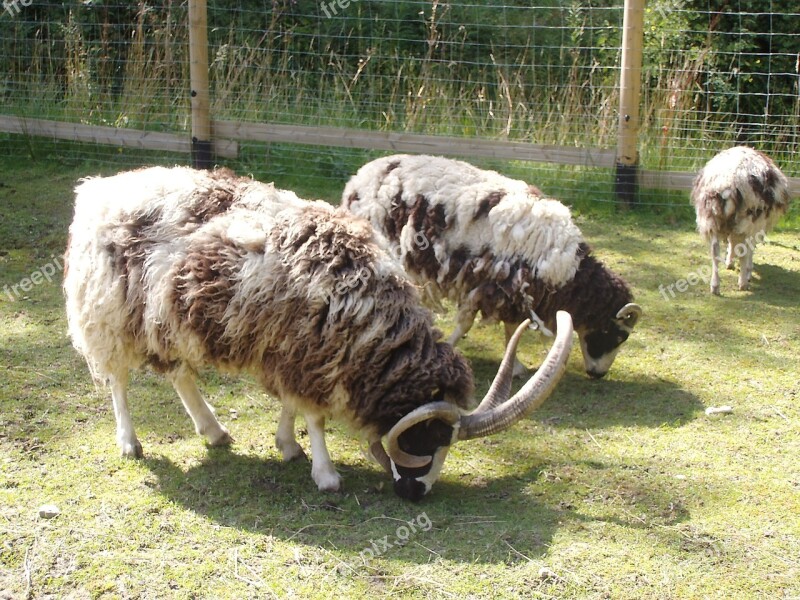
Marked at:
<point>303,296</point>
<point>458,228</point>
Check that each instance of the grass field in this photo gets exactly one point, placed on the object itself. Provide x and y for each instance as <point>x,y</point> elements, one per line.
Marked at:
<point>619,488</point>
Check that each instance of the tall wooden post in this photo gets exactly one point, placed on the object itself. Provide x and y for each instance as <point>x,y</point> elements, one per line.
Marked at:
<point>630,86</point>
<point>202,155</point>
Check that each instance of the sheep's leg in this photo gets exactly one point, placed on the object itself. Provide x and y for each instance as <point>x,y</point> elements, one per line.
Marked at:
<point>322,470</point>
<point>738,248</point>
<point>464,320</point>
<point>745,268</point>
<point>729,256</point>
<point>126,436</point>
<point>519,369</point>
<point>205,423</point>
<point>715,265</point>
<point>284,438</point>
<point>734,245</point>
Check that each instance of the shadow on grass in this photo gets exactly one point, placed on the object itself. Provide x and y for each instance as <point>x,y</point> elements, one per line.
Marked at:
<point>281,500</point>
<point>499,521</point>
<point>584,402</point>
<point>773,285</point>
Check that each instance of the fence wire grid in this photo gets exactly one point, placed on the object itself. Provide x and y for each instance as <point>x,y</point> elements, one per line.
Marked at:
<point>714,75</point>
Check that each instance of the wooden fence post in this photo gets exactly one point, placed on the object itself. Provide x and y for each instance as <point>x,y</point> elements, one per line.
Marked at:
<point>630,85</point>
<point>202,155</point>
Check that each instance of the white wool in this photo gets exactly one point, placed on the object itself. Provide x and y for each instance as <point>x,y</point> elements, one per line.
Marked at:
<point>738,197</point>
<point>726,173</point>
<point>540,231</point>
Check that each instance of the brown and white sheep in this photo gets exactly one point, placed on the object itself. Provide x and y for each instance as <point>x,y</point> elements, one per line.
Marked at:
<point>181,269</point>
<point>738,196</point>
<point>493,245</point>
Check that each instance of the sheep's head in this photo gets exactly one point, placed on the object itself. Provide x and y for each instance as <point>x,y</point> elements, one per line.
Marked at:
<point>418,444</point>
<point>600,345</point>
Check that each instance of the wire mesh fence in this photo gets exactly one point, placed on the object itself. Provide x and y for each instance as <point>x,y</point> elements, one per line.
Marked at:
<point>545,72</point>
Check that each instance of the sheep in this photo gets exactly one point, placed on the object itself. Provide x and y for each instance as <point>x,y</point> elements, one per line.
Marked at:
<point>738,196</point>
<point>493,245</point>
<point>179,270</point>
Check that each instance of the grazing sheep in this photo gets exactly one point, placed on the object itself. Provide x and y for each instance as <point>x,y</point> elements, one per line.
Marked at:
<point>181,269</point>
<point>493,245</point>
<point>738,195</point>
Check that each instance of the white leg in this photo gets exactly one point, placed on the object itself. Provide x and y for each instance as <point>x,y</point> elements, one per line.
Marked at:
<point>322,469</point>
<point>715,266</point>
<point>520,370</point>
<point>126,436</point>
<point>284,437</point>
<point>464,320</point>
<point>729,256</point>
<point>205,423</point>
<point>745,269</point>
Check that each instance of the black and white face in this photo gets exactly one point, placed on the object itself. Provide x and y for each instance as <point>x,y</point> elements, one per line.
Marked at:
<point>429,438</point>
<point>600,347</point>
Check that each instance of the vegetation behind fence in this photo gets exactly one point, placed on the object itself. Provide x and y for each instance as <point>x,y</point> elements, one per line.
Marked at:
<point>545,73</point>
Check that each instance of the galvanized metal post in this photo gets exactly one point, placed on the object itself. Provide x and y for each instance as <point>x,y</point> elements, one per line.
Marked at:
<point>202,154</point>
<point>630,85</point>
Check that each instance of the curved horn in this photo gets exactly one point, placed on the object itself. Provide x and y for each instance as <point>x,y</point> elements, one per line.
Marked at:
<point>445,411</point>
<point>500,389</point>
<point>532,394</point>
<point>632,312</point>
<point>380,456</point>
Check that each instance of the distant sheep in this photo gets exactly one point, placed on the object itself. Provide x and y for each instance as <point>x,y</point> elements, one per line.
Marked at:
<point>493,245</point>
<point>739,195</point>
<point>181,269</point>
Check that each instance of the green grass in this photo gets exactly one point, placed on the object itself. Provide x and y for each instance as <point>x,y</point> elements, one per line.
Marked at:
<point>620,488</point>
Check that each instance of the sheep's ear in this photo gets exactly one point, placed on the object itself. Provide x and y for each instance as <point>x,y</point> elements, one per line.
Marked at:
<point>629,315</point>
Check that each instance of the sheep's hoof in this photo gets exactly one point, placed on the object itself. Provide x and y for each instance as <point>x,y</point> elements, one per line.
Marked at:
<point>744,282</point>
<point>222,439</point>
<point>131,450</point>
<point>292,451</point>
<point>327,481</point>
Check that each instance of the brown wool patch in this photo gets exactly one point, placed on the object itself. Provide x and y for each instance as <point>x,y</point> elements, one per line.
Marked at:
<point>397,217</point>
<point>128,246</point>
<point>160,365</point>
<point>595,310</point>
<point>212,203</point>
<point>203,288</point>
<point>488,203</point>
<point>406,367</point>
<point>392,166</point>
<point>430,222</point>
<point>219,196</point>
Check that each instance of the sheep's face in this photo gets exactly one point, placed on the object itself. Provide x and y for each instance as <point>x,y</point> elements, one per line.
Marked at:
<point>429,438</point>
<point>600,346</point>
